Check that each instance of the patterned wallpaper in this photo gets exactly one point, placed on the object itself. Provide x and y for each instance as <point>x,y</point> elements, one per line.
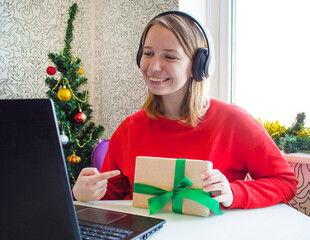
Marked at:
<point>30,29</point>
<point>301,201</point>
<point>120,89</point>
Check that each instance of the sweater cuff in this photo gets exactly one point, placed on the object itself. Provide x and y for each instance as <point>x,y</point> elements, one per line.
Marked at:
<point>238,201</point>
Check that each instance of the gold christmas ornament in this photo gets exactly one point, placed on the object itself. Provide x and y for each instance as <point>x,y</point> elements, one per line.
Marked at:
<point>80,71</point>
<point>73,158</point>
<point>64,94</point>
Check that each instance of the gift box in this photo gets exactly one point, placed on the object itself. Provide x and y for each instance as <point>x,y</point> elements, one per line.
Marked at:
<point>172,185</point>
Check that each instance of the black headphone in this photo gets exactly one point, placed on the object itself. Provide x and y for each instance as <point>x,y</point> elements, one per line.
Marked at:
<point>203,61</point>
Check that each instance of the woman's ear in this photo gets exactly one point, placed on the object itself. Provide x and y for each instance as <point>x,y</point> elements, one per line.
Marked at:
<point>191,77</point>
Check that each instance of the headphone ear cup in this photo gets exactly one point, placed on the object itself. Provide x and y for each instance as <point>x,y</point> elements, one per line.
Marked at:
<point>200,64</point>
<point>139,55</point>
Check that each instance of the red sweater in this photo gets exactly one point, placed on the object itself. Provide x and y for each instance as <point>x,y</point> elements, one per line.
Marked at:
<point>228,136</point>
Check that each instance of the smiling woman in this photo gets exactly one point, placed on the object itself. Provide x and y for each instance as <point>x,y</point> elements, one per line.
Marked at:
<point>186,124</point>
<point>165,67</point>
<point>181,56</point>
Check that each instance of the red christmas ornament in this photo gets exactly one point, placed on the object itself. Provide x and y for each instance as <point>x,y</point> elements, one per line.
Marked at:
<point>51,70</point>
<point>80,117</point>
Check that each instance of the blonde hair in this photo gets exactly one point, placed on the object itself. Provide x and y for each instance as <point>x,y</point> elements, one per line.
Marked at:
<point>191,38</point>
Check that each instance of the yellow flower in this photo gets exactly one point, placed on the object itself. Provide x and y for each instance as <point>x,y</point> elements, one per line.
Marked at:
<point>274,129</point>
<point>304,132</point>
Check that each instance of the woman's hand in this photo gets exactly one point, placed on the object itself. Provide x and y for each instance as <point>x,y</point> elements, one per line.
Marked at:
<point>91,185</point>
<point>216,183</point>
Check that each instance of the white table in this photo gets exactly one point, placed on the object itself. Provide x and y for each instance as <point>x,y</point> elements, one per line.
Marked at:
<point>277,222</point>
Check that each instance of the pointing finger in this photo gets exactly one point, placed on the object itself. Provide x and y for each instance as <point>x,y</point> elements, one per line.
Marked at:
<point>107,175</point>
<point>89,171</point>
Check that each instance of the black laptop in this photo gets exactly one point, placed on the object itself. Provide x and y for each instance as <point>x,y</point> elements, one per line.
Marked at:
<point>36,201</point>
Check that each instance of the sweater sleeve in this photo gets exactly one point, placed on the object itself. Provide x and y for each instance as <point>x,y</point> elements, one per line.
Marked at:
<point>273,179</point>
<point>118,187</point>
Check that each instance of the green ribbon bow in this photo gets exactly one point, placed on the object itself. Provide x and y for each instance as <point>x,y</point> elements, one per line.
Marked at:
<point>177,194</point>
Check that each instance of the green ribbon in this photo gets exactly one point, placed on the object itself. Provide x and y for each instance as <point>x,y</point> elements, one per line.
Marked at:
<point>177,194</point>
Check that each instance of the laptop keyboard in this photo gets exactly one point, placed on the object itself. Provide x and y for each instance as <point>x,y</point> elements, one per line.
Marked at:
<point>99,232</point>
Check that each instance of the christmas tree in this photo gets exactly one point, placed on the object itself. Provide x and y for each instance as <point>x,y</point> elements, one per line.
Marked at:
<point>79,134</point>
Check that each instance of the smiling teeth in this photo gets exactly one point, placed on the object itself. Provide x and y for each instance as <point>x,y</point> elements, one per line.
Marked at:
<point>158,79</point>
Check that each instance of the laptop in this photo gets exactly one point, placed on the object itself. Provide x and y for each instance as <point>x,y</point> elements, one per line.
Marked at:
<point>36,201</point>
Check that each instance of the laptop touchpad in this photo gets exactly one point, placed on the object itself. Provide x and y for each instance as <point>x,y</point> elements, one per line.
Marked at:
<point>98,215</point>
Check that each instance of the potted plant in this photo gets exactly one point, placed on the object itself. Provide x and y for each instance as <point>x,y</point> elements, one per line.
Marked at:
<point>292,139</point>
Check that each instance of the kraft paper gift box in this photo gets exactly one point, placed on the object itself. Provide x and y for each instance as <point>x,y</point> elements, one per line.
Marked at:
<point>155,178</point>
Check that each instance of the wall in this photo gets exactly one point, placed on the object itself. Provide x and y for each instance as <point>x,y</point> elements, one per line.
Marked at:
<point>29,30</point>
<point>301,201</point>
<point>120,89</point>
<point>106,37</point>
<point>300,163</point>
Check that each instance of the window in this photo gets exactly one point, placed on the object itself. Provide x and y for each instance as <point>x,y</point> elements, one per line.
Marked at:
<point>271,56</point>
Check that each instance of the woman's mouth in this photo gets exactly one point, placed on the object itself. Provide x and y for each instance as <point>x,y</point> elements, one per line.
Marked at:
<point>159,80</point>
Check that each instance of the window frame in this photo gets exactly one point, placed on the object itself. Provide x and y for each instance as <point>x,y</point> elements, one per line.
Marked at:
<point>219,18</point>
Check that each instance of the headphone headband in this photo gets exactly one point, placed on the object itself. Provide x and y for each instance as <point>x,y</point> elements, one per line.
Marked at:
<point>203,60</point>
<point>203,29</point>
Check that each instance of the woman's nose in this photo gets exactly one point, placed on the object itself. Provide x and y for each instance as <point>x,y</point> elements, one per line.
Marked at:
<point>155,64</point>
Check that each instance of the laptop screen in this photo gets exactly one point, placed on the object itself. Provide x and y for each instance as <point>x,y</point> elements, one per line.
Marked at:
<point>35,193</point>
<point>36,197</point>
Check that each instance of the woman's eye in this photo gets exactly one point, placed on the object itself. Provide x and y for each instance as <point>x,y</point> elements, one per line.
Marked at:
<point>171,58</point>
<point>147,54</point>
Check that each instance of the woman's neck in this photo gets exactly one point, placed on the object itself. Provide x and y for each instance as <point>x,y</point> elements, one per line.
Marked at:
<point>172,111</point>
<point>173,102</point>
<point>172,106</point>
